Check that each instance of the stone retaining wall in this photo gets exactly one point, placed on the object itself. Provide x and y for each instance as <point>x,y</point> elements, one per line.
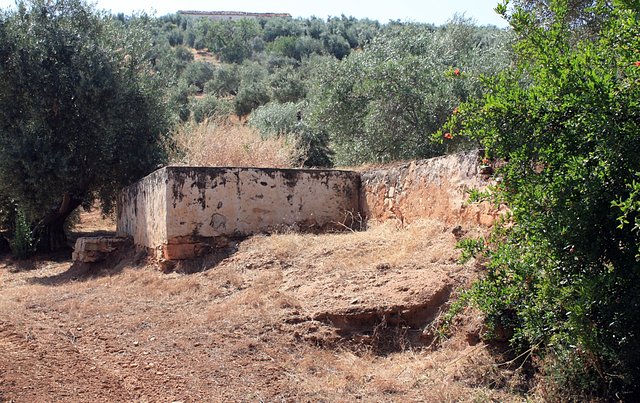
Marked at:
<point>435,188</point>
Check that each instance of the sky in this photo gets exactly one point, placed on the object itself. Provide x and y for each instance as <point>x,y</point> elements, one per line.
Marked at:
<point>430,11</point>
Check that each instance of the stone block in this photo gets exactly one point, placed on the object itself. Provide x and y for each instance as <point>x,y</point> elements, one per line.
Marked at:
<point>95,249</point>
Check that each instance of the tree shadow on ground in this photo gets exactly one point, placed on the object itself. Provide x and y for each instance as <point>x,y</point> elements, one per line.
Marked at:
<point>79,271</point>
<point>129,257</point>
<point>16,265</point>
<point>115,263</point>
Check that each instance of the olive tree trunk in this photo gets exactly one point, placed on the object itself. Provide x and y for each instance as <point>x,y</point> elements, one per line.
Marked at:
<point>49,232</point>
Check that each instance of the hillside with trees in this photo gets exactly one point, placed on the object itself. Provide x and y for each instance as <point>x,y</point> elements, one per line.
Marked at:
<point>328,82</point>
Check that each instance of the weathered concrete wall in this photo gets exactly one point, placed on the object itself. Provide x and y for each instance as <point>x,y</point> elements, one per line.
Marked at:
<point>435,188</point>
<point>142,210</point>
<point>184,211</point>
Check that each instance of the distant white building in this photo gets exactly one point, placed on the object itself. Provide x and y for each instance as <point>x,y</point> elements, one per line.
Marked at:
<point>231,15</point>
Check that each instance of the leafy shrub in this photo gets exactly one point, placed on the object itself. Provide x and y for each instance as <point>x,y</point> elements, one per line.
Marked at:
<point>250,97</point>
<point>22,244</point>
<point>225,81</point>
<point>337,46</point>
<point>82,115</point>
<point>562,276</point>
<point>276,118</point>
<point>287,119</point>
<point>281,27</point>
<point>7,214</point>
<point>286,85</point>
<point>210,107</point>
<point>197,74</point>
<point>285,46</point>
<point>232,40</point>
<point>179,101</point>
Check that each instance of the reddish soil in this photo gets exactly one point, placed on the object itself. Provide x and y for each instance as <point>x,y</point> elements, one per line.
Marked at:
<point>288,318</point>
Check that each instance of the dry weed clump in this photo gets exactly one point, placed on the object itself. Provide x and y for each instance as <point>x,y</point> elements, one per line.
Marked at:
<point>226,143</point>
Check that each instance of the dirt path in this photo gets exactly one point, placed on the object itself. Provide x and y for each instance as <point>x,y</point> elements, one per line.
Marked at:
<point>287,318</point>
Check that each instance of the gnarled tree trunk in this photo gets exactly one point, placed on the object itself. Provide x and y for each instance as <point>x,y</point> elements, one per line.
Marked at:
<point>49,232</point>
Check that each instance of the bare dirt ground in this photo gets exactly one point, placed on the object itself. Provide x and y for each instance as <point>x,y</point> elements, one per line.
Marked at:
<point>287,318</point>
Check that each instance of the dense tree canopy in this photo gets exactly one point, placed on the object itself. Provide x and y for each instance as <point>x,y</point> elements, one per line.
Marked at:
<point>80,113</point>
<point>384,103</point>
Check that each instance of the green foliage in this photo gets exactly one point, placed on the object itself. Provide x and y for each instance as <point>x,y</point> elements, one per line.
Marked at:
<point>232,40</point>
<point>276,118</point>
<point>197,74</point>
<point>471,248</point>
<point>22,244</point>
<point>178,101</point>
<point>225,81</point>
<point>581,15</point>
<point>251,96</point>
<point>281,27</point>
<point>336,45</point>
<point>7,213</point>
<point>287,85</point>
<point>384,103</point>
<point>562,276</point>
<point>288,119</point>
<point>170,62</point>
<point>441,328</point>
<point>80,111</point>
<point>209,107</point>
<point>254,89</point>
<point>285,46</point>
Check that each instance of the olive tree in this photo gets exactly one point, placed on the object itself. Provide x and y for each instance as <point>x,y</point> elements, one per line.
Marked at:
<point>384,102</point>
<point>80,112</point>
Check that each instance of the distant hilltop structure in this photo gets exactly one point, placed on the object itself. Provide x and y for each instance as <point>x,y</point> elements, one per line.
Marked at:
<point>231,15</point>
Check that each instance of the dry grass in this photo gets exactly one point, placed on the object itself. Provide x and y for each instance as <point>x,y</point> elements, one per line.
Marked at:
<point>222,334</point>
<point>227,143</point>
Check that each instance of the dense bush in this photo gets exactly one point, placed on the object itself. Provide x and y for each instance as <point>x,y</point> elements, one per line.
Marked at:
<point>380,103</point>
<point>562,275</point>
<point>225,81</point>
<point>287,85</point>
<point>197,74</point>
<point>232,40</point>
<point>288,119</point>
<point>276,118</point>
<point>209,107</point>
<point>178,101</point>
